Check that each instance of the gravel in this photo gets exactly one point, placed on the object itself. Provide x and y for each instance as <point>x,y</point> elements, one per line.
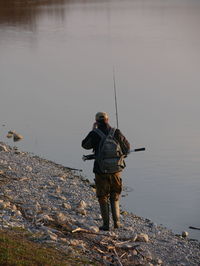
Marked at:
<point>59,207</point>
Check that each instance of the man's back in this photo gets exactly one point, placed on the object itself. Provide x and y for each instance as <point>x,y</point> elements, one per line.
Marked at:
<point>93,140</point>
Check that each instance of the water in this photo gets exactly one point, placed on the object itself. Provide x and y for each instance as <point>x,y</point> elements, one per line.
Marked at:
<point>56,63</point>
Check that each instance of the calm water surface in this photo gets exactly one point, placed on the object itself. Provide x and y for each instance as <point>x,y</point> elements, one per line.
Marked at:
<point>56,63</point>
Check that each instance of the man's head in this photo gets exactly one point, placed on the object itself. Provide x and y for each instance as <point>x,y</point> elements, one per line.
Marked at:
<point>101,117</point>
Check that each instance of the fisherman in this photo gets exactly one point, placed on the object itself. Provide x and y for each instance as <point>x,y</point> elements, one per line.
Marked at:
<point>108,185</point>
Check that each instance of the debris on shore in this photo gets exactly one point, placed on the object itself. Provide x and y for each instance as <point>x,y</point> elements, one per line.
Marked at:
<point>16,136</point>
<point>57,206</point>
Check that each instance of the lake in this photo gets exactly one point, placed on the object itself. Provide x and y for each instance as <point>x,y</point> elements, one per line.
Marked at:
<point>56,71</point>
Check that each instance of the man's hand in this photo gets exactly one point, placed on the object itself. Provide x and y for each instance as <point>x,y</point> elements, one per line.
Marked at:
<point>95,125</point>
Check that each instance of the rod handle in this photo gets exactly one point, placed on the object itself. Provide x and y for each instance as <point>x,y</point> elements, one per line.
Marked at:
<point>139,149</point>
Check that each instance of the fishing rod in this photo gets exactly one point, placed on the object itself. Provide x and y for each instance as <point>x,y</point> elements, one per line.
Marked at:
<point>115,93</point>
<point>92,156</point>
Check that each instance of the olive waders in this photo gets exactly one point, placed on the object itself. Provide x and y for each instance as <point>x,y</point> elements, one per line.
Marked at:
<point>104,208</point>
<point>115,211</point>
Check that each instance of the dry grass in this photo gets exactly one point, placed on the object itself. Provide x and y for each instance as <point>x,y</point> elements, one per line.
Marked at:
<point>16,249</point>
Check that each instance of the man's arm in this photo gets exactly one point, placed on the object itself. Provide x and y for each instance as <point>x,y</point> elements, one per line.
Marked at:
<point>87,142</point>
<point>125,145</point>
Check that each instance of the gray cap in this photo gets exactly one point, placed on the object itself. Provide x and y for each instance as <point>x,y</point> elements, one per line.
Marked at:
<point>101,116</point>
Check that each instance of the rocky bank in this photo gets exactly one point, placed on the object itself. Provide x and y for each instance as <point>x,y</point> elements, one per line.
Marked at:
<point>59,207</point>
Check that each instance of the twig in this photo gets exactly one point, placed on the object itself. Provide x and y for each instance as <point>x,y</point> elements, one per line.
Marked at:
<point>123,255</point>
<point>118,259</point>
<point>99,250</point>
<point>89,232</point>
<point>121,243</point>
<point>140,253</point>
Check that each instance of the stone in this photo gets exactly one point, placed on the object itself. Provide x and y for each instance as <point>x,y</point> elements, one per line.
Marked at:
<point>61,218</point>
<point>66,206</point>
<point>18,152</point>
<point>9,135</point>
<point>53,237</point>
<point>4,204</point>
<point>94,229</point>
<point>134,252</point>
<point>64,240</point>
<point>137,260</point>
<point>14,208</point>
<point>17,137</point>
<point>18,213</point>
<point>157,262</point>
<point>29,168</point>
<point>124,212</point>
<point>81,211</point>
<point>126,245</point>
<point>63,177</point>
<point>147,254</point>
<point>142,238</point>
<point>58,190</point>
<point>185,234</point>
<point>3,148</point>
<point>50,183</point>
<point>82,204</point>
<point>75,242</point>
<point>44,218</point>
<point>62,197</point>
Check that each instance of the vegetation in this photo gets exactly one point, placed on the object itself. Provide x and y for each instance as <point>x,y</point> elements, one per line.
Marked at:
<point>16,248</point>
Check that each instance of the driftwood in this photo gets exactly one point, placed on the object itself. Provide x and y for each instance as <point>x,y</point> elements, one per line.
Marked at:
<point>81,230</point>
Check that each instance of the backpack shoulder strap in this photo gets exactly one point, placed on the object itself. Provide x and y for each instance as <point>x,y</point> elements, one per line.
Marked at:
<point>100,133</point>
<point>112,132</point>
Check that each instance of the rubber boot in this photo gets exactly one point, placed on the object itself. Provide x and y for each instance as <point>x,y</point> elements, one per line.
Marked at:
<point>115,212</point>
<point>104,207</point>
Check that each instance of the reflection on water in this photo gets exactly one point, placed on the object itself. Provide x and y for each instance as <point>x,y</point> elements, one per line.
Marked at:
<point>56,62</point>
<point>23,13</point>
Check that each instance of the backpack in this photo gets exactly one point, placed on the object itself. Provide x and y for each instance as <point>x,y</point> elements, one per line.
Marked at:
<point>109,156</point>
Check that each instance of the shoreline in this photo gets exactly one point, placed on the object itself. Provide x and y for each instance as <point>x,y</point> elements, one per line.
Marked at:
<point>58,206</point>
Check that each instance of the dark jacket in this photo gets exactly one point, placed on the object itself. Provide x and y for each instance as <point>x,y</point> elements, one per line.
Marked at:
<point>92,141</point>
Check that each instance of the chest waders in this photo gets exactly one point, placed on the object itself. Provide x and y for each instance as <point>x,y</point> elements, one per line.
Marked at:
<point>114,203</point>
<point>104,208</point>
<point>115,210</point>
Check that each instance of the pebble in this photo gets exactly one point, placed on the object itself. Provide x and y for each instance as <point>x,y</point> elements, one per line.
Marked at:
<point>53,237</point>
<point>158,261</point>
<point>62,218</point>
<point>126,245</point>
<point>185,234</point>
<point>82,204</point>
<point>4,204</point>
<point>3,148</point>
<point>94,229</point>
<point>81,211</point>
<point>9,135</point>
<point>66,206</point>
<point>17,137</point>
<point>142,238</point>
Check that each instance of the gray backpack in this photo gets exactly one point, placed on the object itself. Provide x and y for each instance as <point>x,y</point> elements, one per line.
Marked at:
<point>109,156</point>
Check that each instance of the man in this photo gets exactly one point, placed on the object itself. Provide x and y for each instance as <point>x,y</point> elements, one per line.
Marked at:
<point>108,185</point>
